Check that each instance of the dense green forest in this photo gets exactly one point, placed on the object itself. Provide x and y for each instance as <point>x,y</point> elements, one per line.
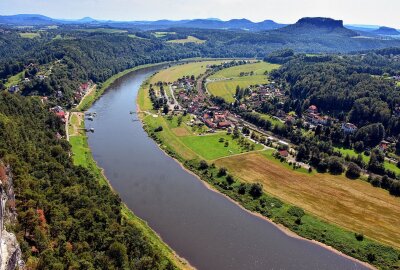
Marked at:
<point>81,226</point>
<point>66,220</point>
<point>70,55</point>
<point>356,88</point>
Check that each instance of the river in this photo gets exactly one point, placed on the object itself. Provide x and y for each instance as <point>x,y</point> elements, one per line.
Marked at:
<point>202,226</point>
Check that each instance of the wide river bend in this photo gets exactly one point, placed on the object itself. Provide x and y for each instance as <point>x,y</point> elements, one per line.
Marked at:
<point>202,226</point>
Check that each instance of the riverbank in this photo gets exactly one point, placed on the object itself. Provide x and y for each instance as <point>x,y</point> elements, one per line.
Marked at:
<point>292,218</point>
<point>82,156</point>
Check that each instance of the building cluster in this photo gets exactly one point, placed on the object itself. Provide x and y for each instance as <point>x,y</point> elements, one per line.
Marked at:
<point>262,93</point>
<point>59,112</point>
<point>313,117</point>
<point>215,118</point>
<point>82,90</point>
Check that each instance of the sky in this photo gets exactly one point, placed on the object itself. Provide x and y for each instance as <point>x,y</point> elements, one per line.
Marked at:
<point>372,12</point>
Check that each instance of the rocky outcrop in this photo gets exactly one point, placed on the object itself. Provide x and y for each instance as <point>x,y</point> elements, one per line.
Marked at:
<point>386,31</point>
<point>321,22</point>
<point>10,252</point>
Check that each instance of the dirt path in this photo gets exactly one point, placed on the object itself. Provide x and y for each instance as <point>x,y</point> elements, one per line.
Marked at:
<point>72,125</point>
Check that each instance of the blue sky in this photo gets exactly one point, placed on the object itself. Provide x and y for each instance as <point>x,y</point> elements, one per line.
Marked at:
<point>382,12</point>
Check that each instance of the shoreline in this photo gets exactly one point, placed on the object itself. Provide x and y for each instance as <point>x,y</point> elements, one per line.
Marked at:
<point>176,259</point>
<point>280,227</point>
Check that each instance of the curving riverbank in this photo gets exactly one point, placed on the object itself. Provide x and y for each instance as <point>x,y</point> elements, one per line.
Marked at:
<point>82,156</point>
<point>201,225</point>
<point>340,241</point>
<point>114,173</point>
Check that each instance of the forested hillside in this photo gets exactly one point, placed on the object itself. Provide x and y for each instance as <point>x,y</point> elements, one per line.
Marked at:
<point>66,220</point>
<point>357,88</point>
<point>71,55</point>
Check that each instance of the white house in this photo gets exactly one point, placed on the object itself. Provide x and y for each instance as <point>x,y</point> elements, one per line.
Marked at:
<point>349,128</point>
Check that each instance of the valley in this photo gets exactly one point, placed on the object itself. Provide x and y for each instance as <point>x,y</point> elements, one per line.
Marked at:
<point>199,144</point>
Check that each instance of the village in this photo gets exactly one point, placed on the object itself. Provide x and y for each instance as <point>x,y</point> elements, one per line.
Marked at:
<point>187,96</point>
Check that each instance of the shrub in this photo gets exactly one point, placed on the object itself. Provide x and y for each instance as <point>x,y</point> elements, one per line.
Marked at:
<point>256,190</point>
<point>335,165</point>
<point>296,211</point>
<point>203,165</point>
<point>353,171</point>
<point>359,236</point>
<point>158,129</point>
<point>221,172</point>
<point>230,179</point>
<point>242,188</point>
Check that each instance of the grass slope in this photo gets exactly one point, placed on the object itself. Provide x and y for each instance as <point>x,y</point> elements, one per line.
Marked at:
<point>231,79</point>
<point>189,39</point>
<point>388,165</point>
<point>14,80</point>
<point>29,35</point>
<point>209,147</point>
<point>258,68</point>
<point>173,73</point>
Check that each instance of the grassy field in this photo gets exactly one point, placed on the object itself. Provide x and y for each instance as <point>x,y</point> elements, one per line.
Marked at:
<point>82,156</point>
<point>175,72</point>
<point>209,147</point>
<point>274,121</point>
<point>227,88</point>
<point>189,39</point>
<point>189,144</point>
<point>29,35</point>
<point>162,34</point>
<point>351,204</point>
<point>268,154</point>
<point>135,36</point>
<point>258,68</point>
<point>13,80</point>
<point>389,166</point>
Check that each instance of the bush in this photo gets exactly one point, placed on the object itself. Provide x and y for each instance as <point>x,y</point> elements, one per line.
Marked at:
<point>256,190</point>
<point>359,236</point>
<point>322,167</point>
<point>353,171</point>
<point>203,165</point>
<point>335,165</point>
<point>158,129</point>
<point>230,179</point>
<point>221,172</point>
<point>242,189</point>
<point>296,211</point>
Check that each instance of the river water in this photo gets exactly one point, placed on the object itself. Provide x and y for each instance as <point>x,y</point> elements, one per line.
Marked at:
<point>202,226</point>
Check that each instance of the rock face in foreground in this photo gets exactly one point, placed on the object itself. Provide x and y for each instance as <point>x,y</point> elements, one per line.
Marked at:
<point>10,252</point>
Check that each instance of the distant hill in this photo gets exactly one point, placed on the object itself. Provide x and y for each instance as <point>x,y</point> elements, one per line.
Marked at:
<point>313,35</point>
<point>242,24</point>
<point>318,26</point>
<point>26,19</point>
<point>386,31</point>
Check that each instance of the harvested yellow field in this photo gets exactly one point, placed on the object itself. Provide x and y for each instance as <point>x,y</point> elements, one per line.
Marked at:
<point>352,204</point>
